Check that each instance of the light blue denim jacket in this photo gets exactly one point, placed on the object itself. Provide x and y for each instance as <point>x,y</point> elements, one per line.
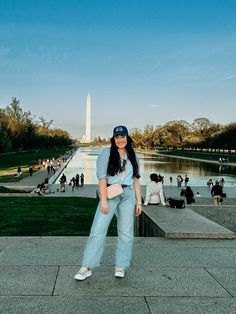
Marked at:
<point>102,162</point>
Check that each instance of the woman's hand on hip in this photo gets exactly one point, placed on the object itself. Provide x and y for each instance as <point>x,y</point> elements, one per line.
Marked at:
<point>104,207</point>
<point>138,209</point>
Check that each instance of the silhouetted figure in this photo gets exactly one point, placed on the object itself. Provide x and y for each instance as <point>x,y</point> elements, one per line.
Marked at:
<point>189,195</point>
<point>39,190</point>
<point>82,179</point>
<point>216,193</point>
<point>72,183</point>
<point>186,180</point>
<point>48,169</point>
<point>18,173</point>
<point>31,170</point>
<point>210,183</point>
<point>77,180</point>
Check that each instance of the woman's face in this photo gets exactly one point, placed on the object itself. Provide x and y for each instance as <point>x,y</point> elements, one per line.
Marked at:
<point>120,141</point>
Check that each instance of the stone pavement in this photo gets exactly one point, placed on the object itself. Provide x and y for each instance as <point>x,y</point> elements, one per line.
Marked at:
<point>166,276</point>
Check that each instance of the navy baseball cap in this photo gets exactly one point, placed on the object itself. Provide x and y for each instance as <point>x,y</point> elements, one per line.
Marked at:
<point>120,130</point>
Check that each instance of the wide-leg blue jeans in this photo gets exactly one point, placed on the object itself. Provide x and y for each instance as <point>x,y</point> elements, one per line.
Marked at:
<point>123,206</point>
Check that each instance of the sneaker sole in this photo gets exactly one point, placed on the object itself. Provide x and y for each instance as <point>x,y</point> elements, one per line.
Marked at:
<point>119,274</point>
<point>79,277</point>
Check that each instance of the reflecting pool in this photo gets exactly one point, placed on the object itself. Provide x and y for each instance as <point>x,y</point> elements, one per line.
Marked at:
<point>84,161</point>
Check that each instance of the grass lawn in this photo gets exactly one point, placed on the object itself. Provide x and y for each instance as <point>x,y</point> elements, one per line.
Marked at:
<point>10,162</point>
<point>48,216</point>
<point>200,155</point>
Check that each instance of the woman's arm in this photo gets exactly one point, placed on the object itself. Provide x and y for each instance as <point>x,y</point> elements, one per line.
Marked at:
<point>103,195</point>
<point>138,197</point>
<point>101,172</point>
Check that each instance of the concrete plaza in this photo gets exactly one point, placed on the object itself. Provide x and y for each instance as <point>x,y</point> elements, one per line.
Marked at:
<point>166,276</point>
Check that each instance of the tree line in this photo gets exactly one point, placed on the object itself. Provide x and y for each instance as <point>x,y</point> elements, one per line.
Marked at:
<point>21,131</point>
<point>179,134</point>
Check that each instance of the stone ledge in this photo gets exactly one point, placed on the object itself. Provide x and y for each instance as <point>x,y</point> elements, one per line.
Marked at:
<point>175,223</point>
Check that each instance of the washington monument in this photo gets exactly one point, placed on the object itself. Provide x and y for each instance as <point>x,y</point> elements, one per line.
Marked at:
<point>88,120</point>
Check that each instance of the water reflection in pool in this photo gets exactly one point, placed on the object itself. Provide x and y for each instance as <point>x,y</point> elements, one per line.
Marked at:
<point>199,172</point>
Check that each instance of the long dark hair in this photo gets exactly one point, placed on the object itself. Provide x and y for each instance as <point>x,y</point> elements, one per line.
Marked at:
<point>154,177</point>
<point>114,164</point>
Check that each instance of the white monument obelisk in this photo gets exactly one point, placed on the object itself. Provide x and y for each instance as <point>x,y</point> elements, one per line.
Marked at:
<point>88,120</point>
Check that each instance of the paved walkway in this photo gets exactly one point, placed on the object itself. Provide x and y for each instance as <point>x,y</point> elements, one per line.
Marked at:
<point>40,175</point>
<point>166,276</point>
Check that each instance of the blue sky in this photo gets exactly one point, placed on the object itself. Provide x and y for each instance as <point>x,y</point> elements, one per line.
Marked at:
<point>142,61</point>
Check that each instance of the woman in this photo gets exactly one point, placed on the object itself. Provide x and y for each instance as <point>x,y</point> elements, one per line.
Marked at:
<point>154,191</point>
<point>115,164</point>
<point>189,195</point>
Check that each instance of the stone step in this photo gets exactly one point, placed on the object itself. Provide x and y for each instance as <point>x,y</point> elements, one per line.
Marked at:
<point>176,223</point>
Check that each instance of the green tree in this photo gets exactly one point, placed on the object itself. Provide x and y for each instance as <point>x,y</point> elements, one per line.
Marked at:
<point>5,143</point>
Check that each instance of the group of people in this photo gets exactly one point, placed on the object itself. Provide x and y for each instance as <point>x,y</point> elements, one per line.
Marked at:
<point>223,160</point>
<point>76,181</point>
<point>47,162</point>
<point>210,183</point>
<point>155,194</point>
<point>180,180</point>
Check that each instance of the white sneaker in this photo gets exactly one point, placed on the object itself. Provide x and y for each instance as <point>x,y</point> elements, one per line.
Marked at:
<point>83,273</point>
<point>119,272</point>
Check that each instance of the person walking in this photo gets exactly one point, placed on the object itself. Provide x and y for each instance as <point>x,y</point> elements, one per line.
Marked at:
<point>115,165</point>
<point>18,173</point>
<point>82,179</point>
<point>179,181</point>
<point>77,180</point>
<point>216,193</point>
<point>186,180</point>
